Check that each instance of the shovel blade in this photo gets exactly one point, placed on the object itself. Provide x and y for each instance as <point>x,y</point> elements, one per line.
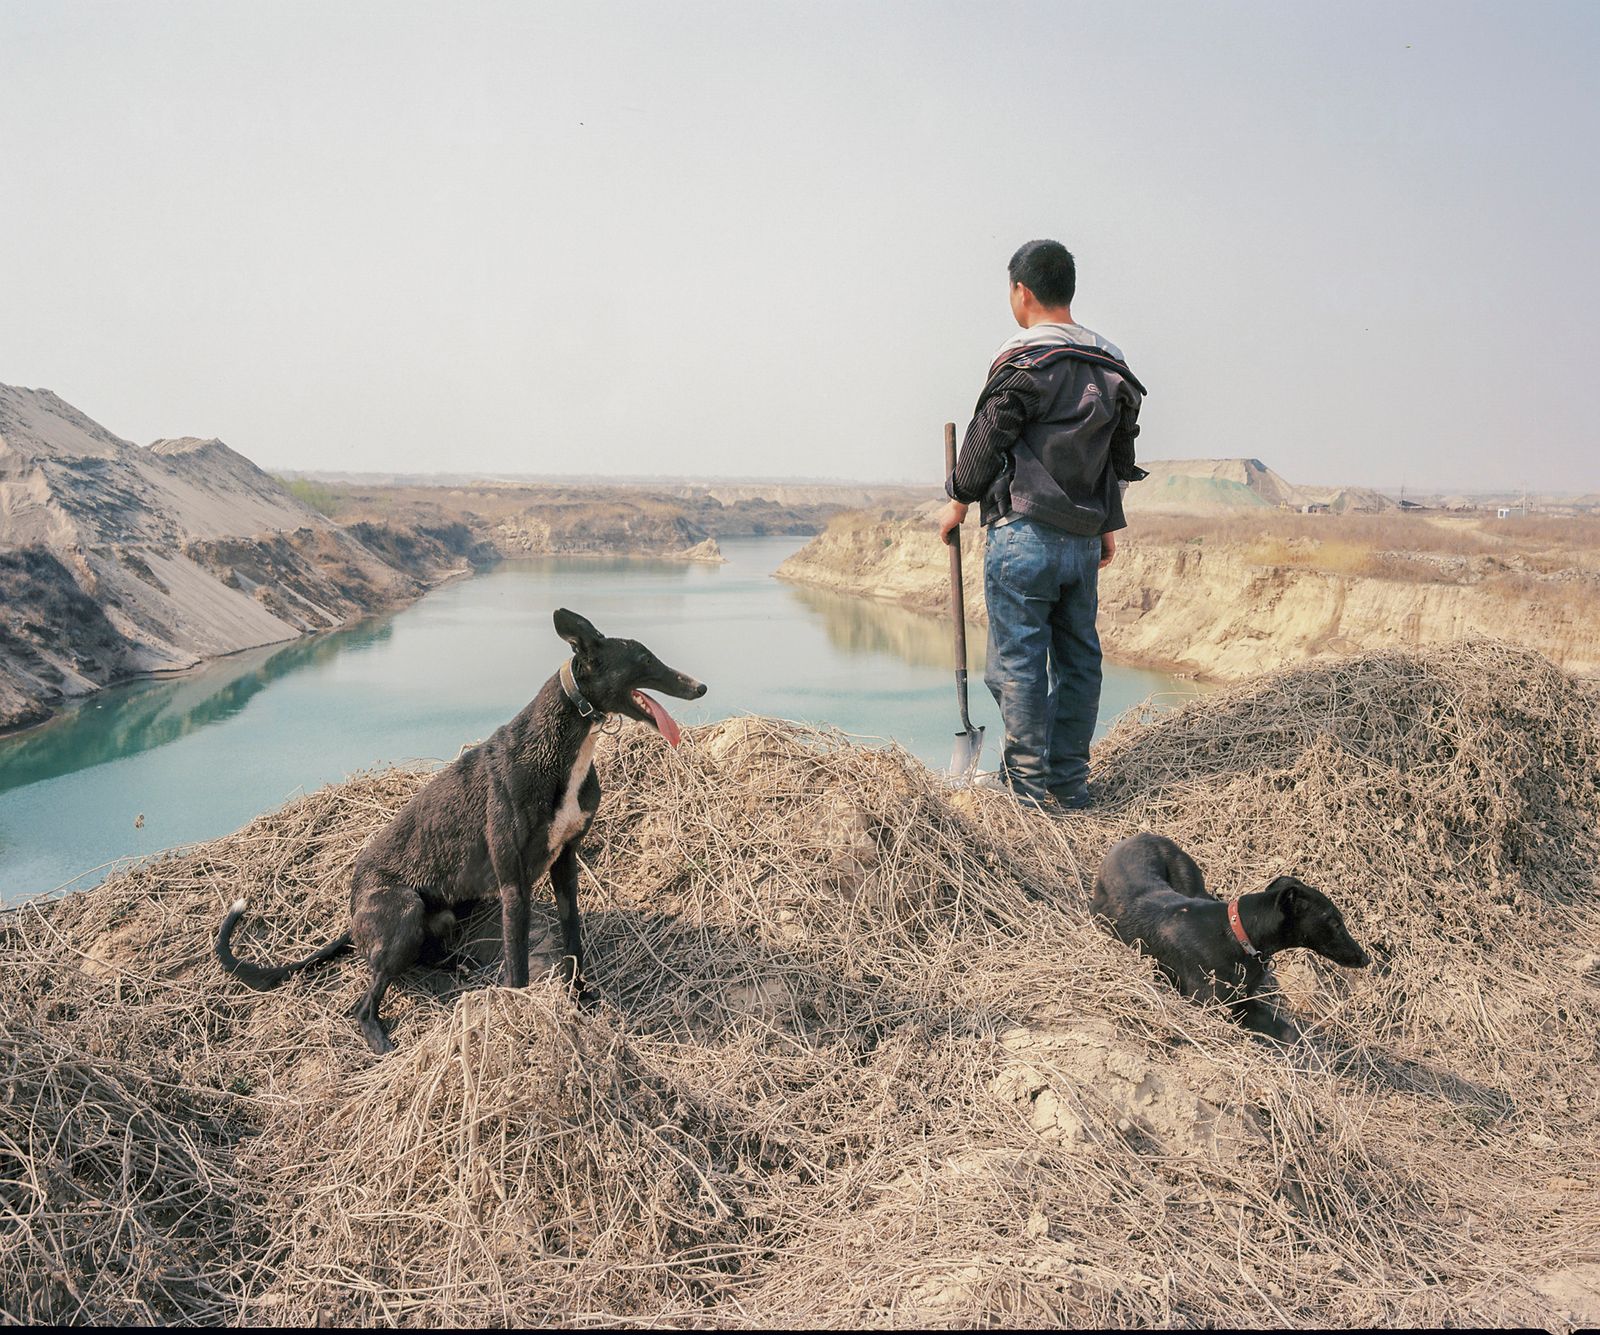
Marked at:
<point>964,759</point>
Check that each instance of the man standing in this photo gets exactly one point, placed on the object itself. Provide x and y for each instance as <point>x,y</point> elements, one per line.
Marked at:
<point>1047,456</point>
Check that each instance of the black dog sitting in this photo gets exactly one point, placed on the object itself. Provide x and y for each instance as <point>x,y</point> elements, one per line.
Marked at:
<point>490,826</point>
<point>1153,895</point>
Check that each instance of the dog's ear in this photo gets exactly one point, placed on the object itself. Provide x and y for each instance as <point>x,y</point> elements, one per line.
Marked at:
<point>1290,892</point>
<point>577,631</point>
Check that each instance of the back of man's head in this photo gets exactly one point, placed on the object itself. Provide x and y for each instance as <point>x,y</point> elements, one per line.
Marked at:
<point>1047,270</point>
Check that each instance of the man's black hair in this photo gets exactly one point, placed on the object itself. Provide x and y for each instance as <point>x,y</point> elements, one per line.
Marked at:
<point>1047,270</point>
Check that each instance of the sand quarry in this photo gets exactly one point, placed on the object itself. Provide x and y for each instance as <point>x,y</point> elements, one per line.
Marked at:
<point>864,1057</point>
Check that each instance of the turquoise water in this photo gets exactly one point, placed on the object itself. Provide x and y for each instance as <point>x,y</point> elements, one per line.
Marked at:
<point>199,755</point>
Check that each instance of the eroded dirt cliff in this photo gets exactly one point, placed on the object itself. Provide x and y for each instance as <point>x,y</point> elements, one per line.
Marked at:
<point>1220,610</point>
<point>118,559</point>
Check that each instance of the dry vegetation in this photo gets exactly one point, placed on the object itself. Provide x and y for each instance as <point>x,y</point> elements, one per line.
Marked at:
<point>1428,549</point>
<point>864,1057</point>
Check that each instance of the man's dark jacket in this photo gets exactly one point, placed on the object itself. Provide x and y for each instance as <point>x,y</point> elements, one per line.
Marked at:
<point>1071,415</point>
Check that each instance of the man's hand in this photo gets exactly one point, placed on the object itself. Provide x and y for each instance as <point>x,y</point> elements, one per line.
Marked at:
<point>1108,548</point>
<point>950,519</point>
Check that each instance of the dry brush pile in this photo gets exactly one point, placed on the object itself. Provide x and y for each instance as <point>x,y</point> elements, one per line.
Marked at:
<point>863,1057</point>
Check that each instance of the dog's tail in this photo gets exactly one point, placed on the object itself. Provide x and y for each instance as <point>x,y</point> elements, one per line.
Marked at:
<point>253,975</point>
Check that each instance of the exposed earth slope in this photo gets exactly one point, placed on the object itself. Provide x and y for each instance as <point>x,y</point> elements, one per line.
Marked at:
<point>117,559</point>
<point>1228,599</point>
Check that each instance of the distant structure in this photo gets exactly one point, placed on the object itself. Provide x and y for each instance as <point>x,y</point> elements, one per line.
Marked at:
<point>1226,486</point>
<point>1514,510</point>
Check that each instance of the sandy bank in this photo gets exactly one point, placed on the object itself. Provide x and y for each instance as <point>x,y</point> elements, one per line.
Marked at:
<point>1227,610</point>
<point>864,1058</point>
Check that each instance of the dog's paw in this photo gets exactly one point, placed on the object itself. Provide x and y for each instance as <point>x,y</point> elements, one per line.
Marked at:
<point>374,1028</point>
<point>1282,1032</point>
<point>377,1036</point>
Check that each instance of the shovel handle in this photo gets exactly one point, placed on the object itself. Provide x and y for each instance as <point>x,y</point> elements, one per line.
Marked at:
<point>958,606</point>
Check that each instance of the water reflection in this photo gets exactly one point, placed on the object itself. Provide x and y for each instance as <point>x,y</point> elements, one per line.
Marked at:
<point>144,715</point>
<point>866,625</point>
<point>587,566</point>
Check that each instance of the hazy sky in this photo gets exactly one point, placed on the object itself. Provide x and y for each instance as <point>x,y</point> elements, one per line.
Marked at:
<point>1353,240</point>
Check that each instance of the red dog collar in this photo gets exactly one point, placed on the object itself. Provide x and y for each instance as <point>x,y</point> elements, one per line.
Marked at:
<point>1239,933</point>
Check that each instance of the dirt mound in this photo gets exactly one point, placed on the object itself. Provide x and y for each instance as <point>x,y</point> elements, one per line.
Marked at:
<point>863,1055</point>
<point>169,554</point>
<point>1221,486</point>
<point>1208,486</point>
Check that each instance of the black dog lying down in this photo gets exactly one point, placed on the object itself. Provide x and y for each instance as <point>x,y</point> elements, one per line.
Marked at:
<point>1153,895</point>
<point>490,825</point>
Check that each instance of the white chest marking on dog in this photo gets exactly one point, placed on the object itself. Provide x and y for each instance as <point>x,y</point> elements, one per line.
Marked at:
<point>569,816</point>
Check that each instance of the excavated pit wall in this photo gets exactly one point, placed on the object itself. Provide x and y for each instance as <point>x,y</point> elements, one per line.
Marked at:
<point>1213,611</point>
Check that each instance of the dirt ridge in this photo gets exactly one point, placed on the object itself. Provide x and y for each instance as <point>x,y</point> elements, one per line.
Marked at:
<point>118,560</point>
<point>1228,609</point>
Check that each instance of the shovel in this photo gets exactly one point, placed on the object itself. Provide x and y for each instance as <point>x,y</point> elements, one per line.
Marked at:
<point>969,741</point>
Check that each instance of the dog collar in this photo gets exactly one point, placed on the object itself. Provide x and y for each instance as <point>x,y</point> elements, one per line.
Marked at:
<point>1237,924</point>
<point>569,688</point>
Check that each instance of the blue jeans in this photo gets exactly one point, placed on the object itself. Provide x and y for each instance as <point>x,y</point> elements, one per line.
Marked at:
<point>1043,590</point>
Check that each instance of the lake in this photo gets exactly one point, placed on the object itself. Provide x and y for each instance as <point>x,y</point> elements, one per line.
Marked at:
<point>198,755</point>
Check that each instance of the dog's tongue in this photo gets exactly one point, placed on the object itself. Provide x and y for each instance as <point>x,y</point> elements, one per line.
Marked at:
<point>664,721</point>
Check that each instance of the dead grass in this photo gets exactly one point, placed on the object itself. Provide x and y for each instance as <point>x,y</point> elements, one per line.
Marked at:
<point>1395,532</point>
<point>1344,557</point>
<point>864,1057</point>
<point>1408,548</point>
<point>1566,532</point>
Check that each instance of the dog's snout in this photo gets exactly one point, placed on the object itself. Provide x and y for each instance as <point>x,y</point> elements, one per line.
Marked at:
<point>1354,956</point>
<point>686,687</point>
